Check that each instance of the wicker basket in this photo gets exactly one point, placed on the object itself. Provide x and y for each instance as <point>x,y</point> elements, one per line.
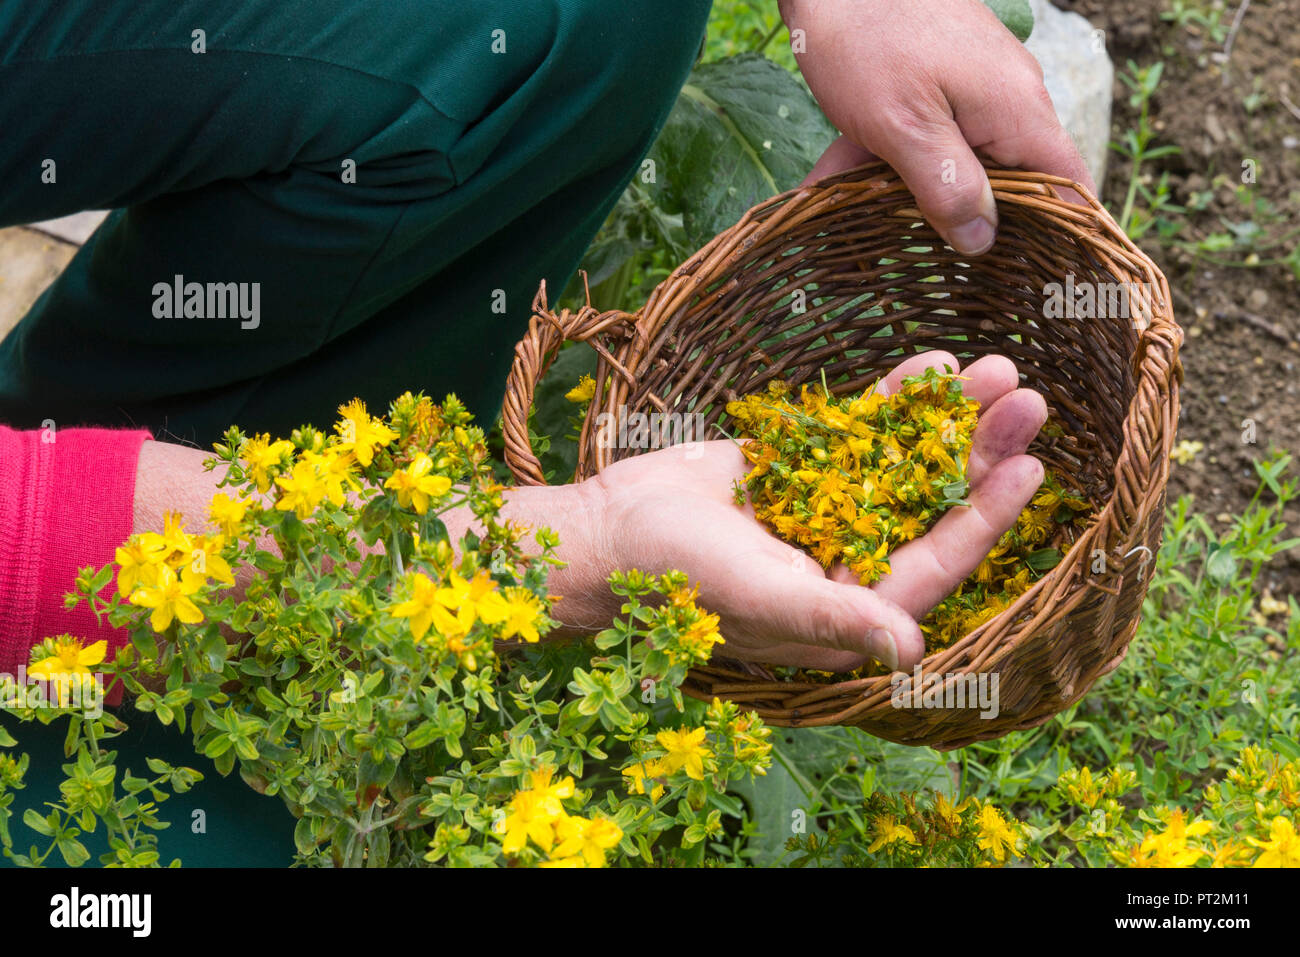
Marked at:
<point>721,326</point>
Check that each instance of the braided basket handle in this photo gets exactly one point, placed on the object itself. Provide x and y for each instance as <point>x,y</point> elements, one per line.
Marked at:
<point>547,331</point>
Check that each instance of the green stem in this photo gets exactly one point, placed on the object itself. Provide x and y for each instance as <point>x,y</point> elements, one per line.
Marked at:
<point>771,35</point>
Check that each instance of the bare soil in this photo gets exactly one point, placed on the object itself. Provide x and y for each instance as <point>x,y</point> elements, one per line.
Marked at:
<point>1242,351</point>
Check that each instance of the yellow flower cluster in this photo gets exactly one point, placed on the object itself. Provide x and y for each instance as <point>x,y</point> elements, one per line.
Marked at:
<point>453,608</point>
<point>746,732</point>
<point>684,750</point>
<point>1172,847</point>
<point>695,629</point>
<point>1027,550</point>
<point>997,835</point>
<point>166,571</point>
<point>327,471</point>
<point>902,824</point>
<point>537,814</point>
<point>850,478</point>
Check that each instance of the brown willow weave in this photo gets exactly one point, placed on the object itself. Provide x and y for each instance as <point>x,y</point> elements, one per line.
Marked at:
<point>881,286</point>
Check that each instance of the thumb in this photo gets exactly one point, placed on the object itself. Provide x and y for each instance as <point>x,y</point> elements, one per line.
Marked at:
<point>818,623</point>
<point>937,164</point>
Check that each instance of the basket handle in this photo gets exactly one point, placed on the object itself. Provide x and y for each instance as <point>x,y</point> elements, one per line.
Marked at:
<point>547,331</point>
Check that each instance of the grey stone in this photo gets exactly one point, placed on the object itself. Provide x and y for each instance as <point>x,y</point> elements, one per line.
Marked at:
<point>1079,76</point>
<point>72,229</point>
<point>29,261</point>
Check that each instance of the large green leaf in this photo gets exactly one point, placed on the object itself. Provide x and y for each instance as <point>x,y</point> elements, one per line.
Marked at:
<point>1015,16</point>
<point>743,129</point>
<point>809,758</point>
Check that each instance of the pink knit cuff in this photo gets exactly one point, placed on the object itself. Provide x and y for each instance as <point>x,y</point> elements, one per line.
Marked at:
<point>66,501</point>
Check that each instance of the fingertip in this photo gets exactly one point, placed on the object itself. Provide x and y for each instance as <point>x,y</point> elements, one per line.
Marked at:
<point>990,377</point>
<point>1025,473</point>
<point>910,646</point>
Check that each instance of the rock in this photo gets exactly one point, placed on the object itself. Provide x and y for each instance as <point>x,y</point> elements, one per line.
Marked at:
<point>75,228</point>
<point>29,262</point>
<point>1079,76</point>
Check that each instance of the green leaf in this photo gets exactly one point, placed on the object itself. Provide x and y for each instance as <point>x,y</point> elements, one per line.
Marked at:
<point>1043,559</point>
<point>303,838</point>
<point>1221,566</point>
<point>424,734</point>
<point>158,766</point>
<point>74,852</point>
<point>1286,746</point>
<point>743,129</point>
<point>1015,16</point>
<point>33,819</point>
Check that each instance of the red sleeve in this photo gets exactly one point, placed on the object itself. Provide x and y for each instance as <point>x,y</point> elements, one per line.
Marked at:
<point>66,501</point>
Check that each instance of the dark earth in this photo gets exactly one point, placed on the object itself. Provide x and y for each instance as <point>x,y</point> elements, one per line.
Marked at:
<point>1239,306</point>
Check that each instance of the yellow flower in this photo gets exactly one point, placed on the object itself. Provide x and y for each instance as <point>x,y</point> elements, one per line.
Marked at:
<point>686,749</point>
<point>535,811</point>
<point>944,811</point>
<point>477,599</point>
<point>550,794</point>
<point>583,841</point>
<point>335,470</point>
<point>175,545</point>
<point>869,567</point>
<point>1228,855</point>
<point>420,606</point>
<point>361,434</point>
<point>699,638</point>
<point>1080,789</point>
<point>1186,450</point>
<point>1180,830</point>
<point>996,835</point>
<point>584,391</point>
<point>226,513</point>
<point>522,611</point>
<point>304,489</point>
<point>889,831</point>
<point>1169,848</point>
<point>69,658</point>
<point>1283,847</point>
<point>206,559</point>
<point>259,455</point>
<point>415,486</point>
<point>169,597</point>
<point>138,561</point>
<point>638,772</point>
<point>526,819</point>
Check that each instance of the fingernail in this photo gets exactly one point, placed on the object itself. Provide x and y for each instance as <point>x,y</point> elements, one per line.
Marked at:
<point>886,647</point>
<point>973,238</point>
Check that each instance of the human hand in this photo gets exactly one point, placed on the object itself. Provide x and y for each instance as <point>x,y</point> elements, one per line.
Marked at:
<point>924,85</point>
<point>674,509</point>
